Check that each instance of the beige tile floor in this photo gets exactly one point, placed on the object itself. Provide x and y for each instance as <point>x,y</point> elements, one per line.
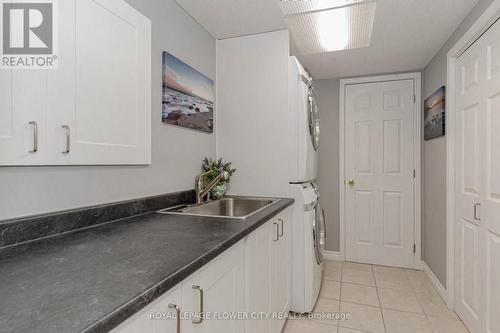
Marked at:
<point>379,300</point>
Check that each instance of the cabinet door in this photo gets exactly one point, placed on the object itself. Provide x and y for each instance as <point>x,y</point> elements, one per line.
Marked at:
<point>102,92</point>
<point>157,317</point>
<point>222,284</point>
<point>166,307</point>
<point>258,282</point>
<point>280,277</point>
<point>22,117</point>
<point>98,100</point>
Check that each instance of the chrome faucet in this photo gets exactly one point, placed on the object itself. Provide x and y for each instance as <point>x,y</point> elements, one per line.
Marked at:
<point>202,192</point>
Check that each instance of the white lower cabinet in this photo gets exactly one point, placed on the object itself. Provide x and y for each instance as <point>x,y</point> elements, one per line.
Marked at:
<point>217,291</point>
<point>258,272</point>
<point>249,280</point>
<point>159,316</point>
<point>268,275</point>
<point>280,273</point>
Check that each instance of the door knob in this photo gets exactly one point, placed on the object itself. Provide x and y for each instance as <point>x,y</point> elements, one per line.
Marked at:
<point>351,182</point>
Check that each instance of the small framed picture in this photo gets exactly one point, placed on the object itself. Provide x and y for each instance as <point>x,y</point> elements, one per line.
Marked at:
<point>188,96</point>
<point>434,115</point>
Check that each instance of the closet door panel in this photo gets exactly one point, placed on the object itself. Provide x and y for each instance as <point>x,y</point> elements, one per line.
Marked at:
<point>469,186</point>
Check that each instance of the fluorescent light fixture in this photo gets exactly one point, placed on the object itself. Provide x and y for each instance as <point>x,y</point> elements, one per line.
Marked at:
<point>319,26</point>
<point>332,26</point>
<point>291,7</point>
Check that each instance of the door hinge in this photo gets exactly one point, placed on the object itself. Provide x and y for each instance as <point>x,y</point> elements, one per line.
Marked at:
<point>414,248</point>
<point>414,99</point>
<point>414,173</point>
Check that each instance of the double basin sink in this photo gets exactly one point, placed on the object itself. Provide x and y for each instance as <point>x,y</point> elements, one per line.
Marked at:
<point>233,207</point>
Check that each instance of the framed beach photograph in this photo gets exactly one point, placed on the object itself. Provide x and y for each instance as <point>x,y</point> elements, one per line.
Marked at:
<point>188,96</point>
<point>434,115</point>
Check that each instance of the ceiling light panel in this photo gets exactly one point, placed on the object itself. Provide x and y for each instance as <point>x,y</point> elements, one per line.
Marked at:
<point>291,7</point>
<point>318,28</point>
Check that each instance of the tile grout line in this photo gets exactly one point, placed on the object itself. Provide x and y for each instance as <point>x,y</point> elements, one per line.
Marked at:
<point>379,302</point>
<point>412,291</point>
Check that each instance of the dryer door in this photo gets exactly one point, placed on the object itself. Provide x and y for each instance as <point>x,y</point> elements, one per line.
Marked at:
<point>313,117</point>
<point>318,232</point>
<point>322,226</point>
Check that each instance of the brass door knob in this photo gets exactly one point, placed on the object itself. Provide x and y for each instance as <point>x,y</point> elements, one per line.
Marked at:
<point>351,182</point>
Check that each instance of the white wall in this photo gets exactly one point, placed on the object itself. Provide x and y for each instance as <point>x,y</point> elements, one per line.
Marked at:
<point>252,111</point>
<point>434,151</point>
<point>327,97</point>
<point>176,152</point>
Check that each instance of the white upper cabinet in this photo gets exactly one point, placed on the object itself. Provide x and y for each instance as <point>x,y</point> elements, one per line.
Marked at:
<point>95,108</point>
<point>22,115</point>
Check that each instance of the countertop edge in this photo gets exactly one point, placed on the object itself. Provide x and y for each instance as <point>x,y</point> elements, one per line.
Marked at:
<point>127,310</point>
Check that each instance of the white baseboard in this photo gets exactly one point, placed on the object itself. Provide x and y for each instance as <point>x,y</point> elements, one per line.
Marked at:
<point>435,282</point>
<point>332,255</point>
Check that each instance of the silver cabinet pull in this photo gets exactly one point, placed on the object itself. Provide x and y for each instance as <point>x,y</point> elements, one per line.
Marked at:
<point>178,315</point>
<point>68,139</point>
<point>200,290</point>
<point>34,125</point>
<point>277,231</point>
<point>281,228</point>
<point>476,217</point>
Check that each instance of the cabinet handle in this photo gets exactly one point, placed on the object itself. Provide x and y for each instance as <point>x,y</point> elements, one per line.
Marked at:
<point>34,125</point>
<point>277,231</point>
<point>476,206</point>
<point>200,290</point>
<point>281,226</point>
<point>178,315</point>
<point>68,139</point>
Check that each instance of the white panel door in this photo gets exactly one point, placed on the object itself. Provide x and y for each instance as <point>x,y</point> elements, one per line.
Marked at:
<point>379,150</point>
<point>102,90</point>
<point>490,205</point>
<point>469,122</point>
<point>477,193</point>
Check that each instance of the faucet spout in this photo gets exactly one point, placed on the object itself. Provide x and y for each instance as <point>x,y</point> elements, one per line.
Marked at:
<point>201,191</point>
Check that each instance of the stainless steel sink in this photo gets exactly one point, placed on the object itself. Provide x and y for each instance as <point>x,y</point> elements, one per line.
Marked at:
<point>234,207</point>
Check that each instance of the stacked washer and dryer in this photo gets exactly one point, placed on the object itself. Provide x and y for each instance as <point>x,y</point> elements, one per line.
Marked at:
<point>308,231</point>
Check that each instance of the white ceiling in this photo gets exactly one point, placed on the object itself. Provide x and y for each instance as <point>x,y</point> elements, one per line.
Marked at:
<point>406,33</point>
<point>231,18</point>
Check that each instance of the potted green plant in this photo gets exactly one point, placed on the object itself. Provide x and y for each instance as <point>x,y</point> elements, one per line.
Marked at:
<point>215,168</point>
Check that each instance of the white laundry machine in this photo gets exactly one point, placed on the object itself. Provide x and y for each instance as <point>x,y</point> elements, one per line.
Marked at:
<point>307,244</point>
<point>303,125</point>
<point>308,221</point>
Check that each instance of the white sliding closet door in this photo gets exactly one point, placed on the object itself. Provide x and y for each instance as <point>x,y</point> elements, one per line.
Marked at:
<point>477,193</point>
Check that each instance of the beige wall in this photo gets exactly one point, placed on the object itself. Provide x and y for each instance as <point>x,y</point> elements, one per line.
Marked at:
<point>176,152</point>
<point>434,155</point>
<point>327,95</point>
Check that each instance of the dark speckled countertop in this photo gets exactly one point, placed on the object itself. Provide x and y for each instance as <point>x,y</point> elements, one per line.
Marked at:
<point>91,280</point>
